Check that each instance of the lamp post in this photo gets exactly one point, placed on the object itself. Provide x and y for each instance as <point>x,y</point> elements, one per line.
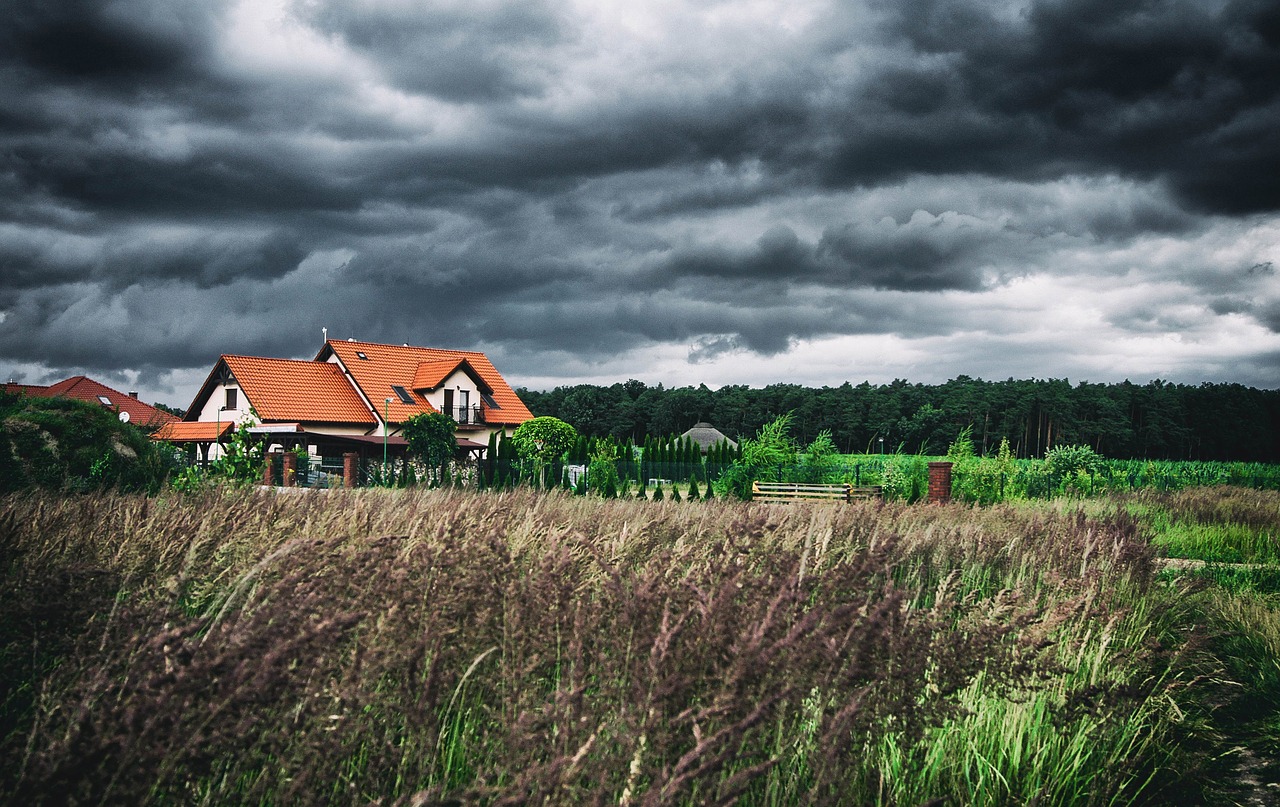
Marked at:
<point>882,446</point>
<point>386,409</point>
<point>217,428</point>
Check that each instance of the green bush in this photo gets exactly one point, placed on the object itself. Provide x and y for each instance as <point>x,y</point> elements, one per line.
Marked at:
<point>70,445</point>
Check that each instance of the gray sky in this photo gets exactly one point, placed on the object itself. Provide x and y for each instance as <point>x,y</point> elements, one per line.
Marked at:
<point>746,191</point>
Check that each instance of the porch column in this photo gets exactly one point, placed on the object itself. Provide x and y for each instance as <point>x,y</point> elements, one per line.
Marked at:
<point>349,469</point>
<point>290,468</point>
<point>267,468</point>
<point>939,482</point>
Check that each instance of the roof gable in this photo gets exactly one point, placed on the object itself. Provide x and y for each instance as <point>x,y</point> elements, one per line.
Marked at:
<point>431,374</point>
<point>385,366</point>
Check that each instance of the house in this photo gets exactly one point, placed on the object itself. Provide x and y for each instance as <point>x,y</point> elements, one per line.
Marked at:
<point>704,435</point>
<point>353,396</point>
<point>126,406</point>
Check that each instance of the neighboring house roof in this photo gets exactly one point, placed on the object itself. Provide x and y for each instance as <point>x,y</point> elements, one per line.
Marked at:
<point>291,390</point>
<point>32,390</point>
<point>83,388</point>
<point>705,435</point>
<point>184,432</point>
<point>377,369</point>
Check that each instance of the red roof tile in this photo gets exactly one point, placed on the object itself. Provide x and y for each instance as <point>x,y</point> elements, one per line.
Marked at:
<point>398,365</point>
<point>31,390</point>
<point>86,389</point>
<point>302,391</point>
<point>431,374</point>
<point>184,432</point>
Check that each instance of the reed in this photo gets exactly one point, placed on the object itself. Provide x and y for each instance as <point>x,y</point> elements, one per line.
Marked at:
<point>412,647</point>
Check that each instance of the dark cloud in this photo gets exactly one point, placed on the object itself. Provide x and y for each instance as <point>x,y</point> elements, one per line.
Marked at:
<point>107,45</point>
<point>464,55</point>
<point>578,188</point>
<point>1184,91</point>
<point>925,253</point>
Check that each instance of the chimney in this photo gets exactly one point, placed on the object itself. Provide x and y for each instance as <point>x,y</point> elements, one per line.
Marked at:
<point>133,394</point>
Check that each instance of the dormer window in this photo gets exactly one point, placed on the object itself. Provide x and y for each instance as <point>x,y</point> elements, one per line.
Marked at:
<point>105,400</point>
<point>402,394</point>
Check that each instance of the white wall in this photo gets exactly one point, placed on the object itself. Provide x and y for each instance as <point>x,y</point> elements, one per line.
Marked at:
<point>210,413</point>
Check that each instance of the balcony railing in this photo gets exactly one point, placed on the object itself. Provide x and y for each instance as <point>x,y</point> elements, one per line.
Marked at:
<point>466,415</point>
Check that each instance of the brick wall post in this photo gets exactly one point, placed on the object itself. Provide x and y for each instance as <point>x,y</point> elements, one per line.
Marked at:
<point>349,469</point>
<point>290,468</point>
<point>939,482</point>
<point>268,477</point>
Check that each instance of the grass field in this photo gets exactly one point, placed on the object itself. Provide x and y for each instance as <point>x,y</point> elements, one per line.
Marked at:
<point>414,647</point>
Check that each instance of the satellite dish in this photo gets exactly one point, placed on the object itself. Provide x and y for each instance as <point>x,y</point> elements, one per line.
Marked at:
<point>124,417</point>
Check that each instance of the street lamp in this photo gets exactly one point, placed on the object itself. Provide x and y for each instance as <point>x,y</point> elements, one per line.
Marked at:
<point>386,409</point>
<point>217,429</point>
<point>882,446</point>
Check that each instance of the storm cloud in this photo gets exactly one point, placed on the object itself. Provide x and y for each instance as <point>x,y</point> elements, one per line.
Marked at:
<point>731,193</point>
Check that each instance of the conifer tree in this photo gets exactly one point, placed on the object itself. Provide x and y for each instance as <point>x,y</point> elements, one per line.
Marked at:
<point>693,489</point>
<point>491,459</point>
<point>675,492</point>
<point>657,493</point>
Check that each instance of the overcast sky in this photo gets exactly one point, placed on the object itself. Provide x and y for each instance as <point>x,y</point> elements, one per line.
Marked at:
<point>748,191</point>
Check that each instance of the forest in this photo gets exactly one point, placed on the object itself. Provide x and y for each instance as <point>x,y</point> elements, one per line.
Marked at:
<point>1156,420</point>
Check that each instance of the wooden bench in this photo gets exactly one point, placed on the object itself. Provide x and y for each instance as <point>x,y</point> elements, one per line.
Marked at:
<point>802,491</point>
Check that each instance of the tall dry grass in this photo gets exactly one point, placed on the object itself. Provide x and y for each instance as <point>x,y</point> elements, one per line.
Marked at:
<point>418,647</point>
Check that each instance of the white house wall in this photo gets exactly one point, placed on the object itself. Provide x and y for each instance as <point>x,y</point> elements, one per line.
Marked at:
<point>214,413</point>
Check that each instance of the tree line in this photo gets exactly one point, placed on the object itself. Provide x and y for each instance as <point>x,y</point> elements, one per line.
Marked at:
<point>1156,420</point>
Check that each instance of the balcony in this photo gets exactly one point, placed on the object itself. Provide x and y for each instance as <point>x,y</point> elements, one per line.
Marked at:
<point>467,417</point>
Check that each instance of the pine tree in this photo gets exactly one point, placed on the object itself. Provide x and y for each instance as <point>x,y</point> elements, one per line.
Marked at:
<point>675,493</point>
<point>491,458</point>
<point>708,496</point>
<point>657,493</point>
<point>693,489</point>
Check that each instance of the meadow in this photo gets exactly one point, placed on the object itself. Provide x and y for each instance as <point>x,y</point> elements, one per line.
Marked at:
<point>234,646</point>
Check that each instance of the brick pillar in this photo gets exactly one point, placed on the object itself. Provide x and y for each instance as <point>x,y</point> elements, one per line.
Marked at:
<point>267,467</point>
<point>290,468</point>
<point>939,482</point>
<point>349,469</point>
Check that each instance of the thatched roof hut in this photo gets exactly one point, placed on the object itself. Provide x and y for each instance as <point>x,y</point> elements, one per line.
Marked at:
<point>705,436</point>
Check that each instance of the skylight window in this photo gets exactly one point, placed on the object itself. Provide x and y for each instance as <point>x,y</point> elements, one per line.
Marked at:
<point>105,400</point>
<point>360,355</point>
<point>402,393</point>
<point>489,401</point>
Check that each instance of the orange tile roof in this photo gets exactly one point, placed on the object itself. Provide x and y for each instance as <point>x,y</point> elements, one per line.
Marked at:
<point>83,388</point>
<point>184,432</point>
<point>302,391</point>
<point>388,365</point>
<point>431,374</point>
<point>32,390</point>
